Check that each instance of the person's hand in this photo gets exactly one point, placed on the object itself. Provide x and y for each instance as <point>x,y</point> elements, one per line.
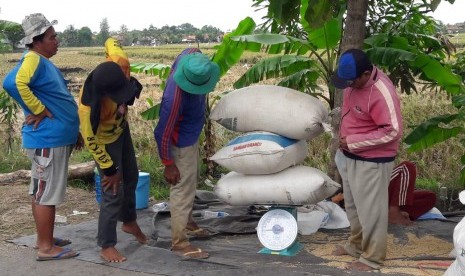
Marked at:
<point>111,182</point>
<point>36,119</point>
<point>79,143</point>
<point>343,143</point>
<point>121,111</point>
<point>172,174</point>
<point>337,198</point>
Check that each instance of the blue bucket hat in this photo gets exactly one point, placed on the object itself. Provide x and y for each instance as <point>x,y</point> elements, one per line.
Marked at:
<point>352,64</point>
<point>196,74</point>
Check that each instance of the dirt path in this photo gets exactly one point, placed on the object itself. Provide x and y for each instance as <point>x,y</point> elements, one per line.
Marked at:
<point>16,216</point>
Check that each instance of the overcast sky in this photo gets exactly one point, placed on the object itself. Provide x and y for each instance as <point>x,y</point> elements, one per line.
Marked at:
<point>139,14</point>
<point>135,14</point>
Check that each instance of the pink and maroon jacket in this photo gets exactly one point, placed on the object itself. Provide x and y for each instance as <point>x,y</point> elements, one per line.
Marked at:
<point>371,119</point>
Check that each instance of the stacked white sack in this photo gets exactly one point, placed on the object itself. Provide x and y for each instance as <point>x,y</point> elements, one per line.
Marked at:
<point>296,185</point>
<point>261,152</point>
<point>276,109</point>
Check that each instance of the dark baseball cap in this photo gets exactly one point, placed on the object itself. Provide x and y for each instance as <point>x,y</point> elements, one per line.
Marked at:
<point>352,64</point>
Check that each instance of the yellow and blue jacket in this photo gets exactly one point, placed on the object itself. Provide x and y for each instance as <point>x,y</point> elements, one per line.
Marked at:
<point>36,83</point>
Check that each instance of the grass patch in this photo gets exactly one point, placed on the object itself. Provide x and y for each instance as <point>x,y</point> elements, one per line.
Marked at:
<point>15,160</point>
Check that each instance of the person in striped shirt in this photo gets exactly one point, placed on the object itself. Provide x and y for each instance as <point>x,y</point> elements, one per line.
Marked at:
<point>407,204</point>
<point>182,116</point>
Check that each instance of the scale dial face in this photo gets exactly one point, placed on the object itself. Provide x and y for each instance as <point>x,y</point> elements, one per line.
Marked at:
<point>277,229</point>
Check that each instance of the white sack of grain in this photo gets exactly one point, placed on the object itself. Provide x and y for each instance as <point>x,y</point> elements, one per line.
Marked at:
<point>276,109</point>
<point>261,152</point>
<point>293,186</point>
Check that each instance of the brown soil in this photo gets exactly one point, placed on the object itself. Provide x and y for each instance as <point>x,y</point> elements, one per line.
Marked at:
<point>16,215</point>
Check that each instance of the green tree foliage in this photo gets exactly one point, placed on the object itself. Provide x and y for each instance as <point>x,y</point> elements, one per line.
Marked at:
<point>72,37</point>
<point>84,37</point>
<point>11,31</point>
<point>104,33</point>
<point>69,37</point>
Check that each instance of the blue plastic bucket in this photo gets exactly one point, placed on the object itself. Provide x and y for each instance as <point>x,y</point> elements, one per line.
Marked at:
<point>98,187</point>
<point>142,190</point>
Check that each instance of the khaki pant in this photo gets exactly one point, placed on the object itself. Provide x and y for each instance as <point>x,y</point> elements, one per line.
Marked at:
<point>365,186</point>
<point>182,194</point>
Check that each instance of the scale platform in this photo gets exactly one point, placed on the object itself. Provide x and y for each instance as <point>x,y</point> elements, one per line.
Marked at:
<point>277,231</point>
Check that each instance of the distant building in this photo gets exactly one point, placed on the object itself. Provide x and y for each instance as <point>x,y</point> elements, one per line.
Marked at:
<point>455,28</point>
<point>188,39</point>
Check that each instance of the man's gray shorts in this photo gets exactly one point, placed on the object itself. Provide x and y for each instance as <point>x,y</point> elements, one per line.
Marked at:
<point>49,174</point>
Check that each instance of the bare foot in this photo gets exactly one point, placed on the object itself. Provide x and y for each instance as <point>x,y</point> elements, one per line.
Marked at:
<point>340,251</point>
<point>111,255</point>
<point>134,229</point>
<point>396,216</point>
<point>192,225</point>
<point>190,252</point>
<point>359,266</point>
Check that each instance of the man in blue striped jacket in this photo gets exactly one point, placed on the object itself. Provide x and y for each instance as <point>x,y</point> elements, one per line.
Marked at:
<point>182,116</point>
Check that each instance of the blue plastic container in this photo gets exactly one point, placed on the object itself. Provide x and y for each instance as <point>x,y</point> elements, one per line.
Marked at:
<point>98,187</point>
<point>142,190</point>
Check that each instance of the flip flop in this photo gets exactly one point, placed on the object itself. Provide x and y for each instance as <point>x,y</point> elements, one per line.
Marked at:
<point>58,242</point>
<point>198,233</point>
<point>65,254</point>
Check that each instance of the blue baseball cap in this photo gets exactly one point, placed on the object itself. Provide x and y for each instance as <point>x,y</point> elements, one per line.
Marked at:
<point>352,64</point>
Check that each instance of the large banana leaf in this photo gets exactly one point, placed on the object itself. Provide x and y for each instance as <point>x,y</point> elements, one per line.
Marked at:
<point>314,14</point>
<point>326,37</point>
<point>153,112</point>
<point>433,70</point>
<point>458,100</point>
<point>272,43</point>
<point>275,67</point>
<point>226,54</point>
<point>303,80</point>
<point>430,68</point>
<point>433,131</point>
<point>156,69</point>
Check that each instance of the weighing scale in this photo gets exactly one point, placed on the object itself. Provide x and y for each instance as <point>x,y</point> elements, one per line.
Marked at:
<point>277,231</point>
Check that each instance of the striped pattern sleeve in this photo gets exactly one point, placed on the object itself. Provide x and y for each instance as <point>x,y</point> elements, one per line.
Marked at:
<point>23,78</point>
<point>384,110</point>
<point>168,119</point>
